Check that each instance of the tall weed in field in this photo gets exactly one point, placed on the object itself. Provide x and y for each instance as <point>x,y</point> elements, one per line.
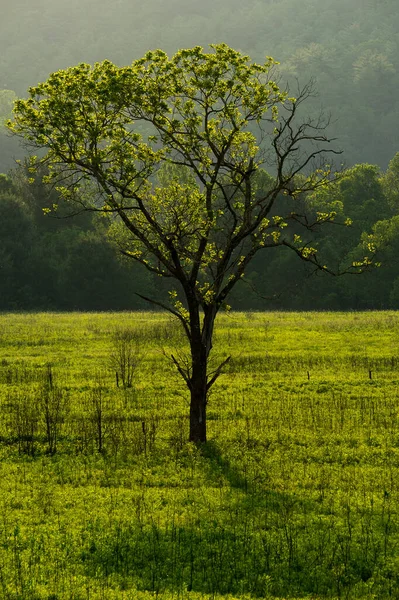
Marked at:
<point>52,404</point>
<point>24,421</point>
<point>125,356</point>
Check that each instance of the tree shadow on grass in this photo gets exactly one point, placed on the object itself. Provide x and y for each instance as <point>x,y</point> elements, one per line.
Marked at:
<point>255,490</point>
<point>220,467</point>
<point>206,559</point>
<point>252,542</point>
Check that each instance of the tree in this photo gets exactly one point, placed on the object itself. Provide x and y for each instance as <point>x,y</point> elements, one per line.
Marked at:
<point>390,183</point>
<point>16,234</point>
<point>111,134</point>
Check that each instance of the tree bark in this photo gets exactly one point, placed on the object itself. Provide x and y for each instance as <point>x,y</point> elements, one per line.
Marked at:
<point>198,416</point>
<point>201,345</point>
<point>198,400</point>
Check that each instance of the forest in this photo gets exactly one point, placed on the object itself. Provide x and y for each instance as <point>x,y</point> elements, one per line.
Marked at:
<point>55,262</point>
<point>349,51</point>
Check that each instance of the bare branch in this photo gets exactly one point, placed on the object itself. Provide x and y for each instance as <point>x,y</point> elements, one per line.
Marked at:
<point>217,373</point>
<point>183,372</point>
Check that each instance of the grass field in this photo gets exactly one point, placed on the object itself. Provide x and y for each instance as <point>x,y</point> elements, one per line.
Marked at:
<point>296,494</point>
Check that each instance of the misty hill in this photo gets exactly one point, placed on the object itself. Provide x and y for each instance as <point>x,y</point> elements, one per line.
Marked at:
<point>349,47</point>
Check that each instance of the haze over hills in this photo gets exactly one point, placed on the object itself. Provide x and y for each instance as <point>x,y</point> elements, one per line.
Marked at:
<point>349,47</point>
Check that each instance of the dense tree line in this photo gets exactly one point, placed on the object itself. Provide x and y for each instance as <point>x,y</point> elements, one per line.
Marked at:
<point>62,263</point>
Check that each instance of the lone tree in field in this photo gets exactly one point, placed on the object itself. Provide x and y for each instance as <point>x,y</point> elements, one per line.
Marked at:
<point>173,147</point>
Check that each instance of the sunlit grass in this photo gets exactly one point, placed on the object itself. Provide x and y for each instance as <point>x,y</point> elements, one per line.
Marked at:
<point>296,494</point>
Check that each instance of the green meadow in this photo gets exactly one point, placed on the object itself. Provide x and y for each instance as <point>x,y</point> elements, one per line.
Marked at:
<point>296,494</point>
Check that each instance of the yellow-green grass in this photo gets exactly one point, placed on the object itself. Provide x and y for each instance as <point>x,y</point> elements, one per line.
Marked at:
<point>295,495</point>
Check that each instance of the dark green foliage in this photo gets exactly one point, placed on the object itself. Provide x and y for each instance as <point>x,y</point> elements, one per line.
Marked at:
<point>49,262</point>
<point>66,263</point>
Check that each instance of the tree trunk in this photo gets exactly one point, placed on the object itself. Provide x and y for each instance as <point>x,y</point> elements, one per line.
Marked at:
<point>200,337</point>
<point>201,345</point>
<point>198,400</point>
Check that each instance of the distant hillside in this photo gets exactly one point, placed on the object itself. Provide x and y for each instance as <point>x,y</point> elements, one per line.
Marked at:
<point>350,48</point>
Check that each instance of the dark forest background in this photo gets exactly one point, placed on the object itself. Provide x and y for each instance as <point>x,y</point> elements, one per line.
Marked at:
<point>349,48</point>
